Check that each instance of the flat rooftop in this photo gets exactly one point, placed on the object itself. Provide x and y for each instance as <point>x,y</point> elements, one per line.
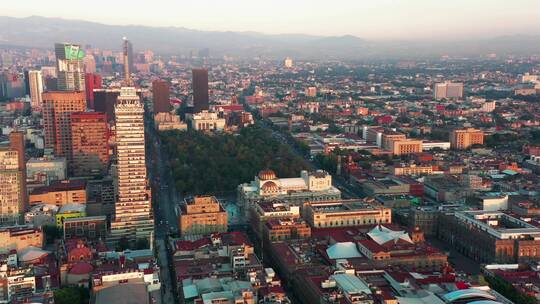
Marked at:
<point>342,206</point>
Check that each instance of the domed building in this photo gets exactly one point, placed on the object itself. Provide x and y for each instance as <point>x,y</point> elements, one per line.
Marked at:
<point>267,174</point>
<point>310,186</point>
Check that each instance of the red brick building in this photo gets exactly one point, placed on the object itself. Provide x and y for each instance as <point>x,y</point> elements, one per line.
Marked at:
<point>90,143</point>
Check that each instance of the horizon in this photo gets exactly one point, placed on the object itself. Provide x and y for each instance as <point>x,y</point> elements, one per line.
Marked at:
<point>420,20</point>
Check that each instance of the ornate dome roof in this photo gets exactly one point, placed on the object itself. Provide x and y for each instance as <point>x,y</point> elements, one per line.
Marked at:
<point>270,186</point>
<point>267,174</point>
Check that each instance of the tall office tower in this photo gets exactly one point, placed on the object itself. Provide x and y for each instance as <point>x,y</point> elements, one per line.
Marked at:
<point>69,66</point>
<point>49,71</point>
<point>161,94</point>
<point>92,81</point>
<point>50,83</point>
<point>35,82</point>
<point>288,62</point>
<point>11,200</point>
<point>200,90</point>
<point>17,143</point>
<point>57,109</point>
<point>448,90</point>
<point>89,63</point>
<point>26,83</point>
<point>104,101</point>
<point>133,215</point>
<point>128,61</point>
<point>89,138</point>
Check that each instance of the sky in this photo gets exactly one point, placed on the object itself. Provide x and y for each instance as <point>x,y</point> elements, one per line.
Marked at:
<point>369,19</point>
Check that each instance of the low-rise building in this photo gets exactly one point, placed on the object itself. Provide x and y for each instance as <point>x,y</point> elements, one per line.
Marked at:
<point>69,211</point>
<point>205,121</point>
<point>42,171</point>
<point>384,186</point>
<point>59,193</point>
<point>167,121</point>
<point>411,169</point>
<point>202,215</point>
<point>277,230</point>
<point>345,213</point>
<point>310,186</point>
<point>444,188</point>
<point>20,237</point>
<point>491,236</point>
<point>88,227</point>
<point>263,211</point>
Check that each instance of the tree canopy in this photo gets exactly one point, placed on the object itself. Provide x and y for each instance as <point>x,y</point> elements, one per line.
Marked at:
<point>71,295</point>
<point>217,163</point>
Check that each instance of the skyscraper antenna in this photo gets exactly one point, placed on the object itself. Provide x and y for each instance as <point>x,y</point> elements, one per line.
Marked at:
<point>127,63</point>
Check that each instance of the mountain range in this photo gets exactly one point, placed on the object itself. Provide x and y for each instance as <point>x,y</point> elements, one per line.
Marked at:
<point>42,32</point>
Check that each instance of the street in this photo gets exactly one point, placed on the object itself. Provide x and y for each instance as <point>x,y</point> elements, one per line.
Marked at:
<point>164,202</point>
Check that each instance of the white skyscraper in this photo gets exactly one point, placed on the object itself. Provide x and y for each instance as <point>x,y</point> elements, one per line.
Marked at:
<point>133,217</point>
<point>36,89</point>
<point>288,62</point>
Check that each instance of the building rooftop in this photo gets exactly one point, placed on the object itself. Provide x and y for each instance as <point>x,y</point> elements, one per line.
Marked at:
<point>342,206</point>
<point>72,208</point>
<point>64,185</point>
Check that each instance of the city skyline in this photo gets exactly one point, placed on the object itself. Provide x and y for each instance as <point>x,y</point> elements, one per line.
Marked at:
<point>375,20</point>
<point>187,166</point>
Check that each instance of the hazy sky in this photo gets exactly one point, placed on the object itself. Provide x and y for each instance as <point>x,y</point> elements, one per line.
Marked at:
<point>372,19</point>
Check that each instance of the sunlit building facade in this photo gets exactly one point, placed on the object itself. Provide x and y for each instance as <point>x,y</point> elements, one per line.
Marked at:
<point>133,216</point>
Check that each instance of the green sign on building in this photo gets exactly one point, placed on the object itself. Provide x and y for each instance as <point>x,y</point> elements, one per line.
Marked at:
<point>74,52</point>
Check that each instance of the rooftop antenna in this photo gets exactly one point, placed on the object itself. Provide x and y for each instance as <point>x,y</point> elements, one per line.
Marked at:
<point>127,63</point>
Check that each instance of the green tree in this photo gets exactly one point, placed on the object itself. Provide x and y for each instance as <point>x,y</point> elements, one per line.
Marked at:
<point>218,163</point>
<point>509,291</point>
<point>52,233</point>
<point>71,295</point>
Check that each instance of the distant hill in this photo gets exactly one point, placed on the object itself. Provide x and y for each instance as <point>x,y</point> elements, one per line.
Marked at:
<point>42,32</point>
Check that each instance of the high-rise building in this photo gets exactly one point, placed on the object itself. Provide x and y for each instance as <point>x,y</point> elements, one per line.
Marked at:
<point>92,81</point>
<point>89,63</point>
<point>11,200</point>
<point>69,66</point>
<point>161,94</point>
<point>133,215</point>
<point>17,142</point>
<point>89,137</point>
<point>35,82</point>
<point>464,138</point>
<point>57,109</point>
<point>26,83</point>
<point>104,101</point>
<point>128,61</point>
<point>50,83</point>
<point>288,62</point>
<point>200,90</point>
<point>49,71</point>
<point>447,90</point>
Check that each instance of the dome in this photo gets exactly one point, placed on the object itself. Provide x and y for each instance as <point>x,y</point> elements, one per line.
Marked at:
<point>270,186</point>
<point>267,174</point>
<point>81,268</point>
